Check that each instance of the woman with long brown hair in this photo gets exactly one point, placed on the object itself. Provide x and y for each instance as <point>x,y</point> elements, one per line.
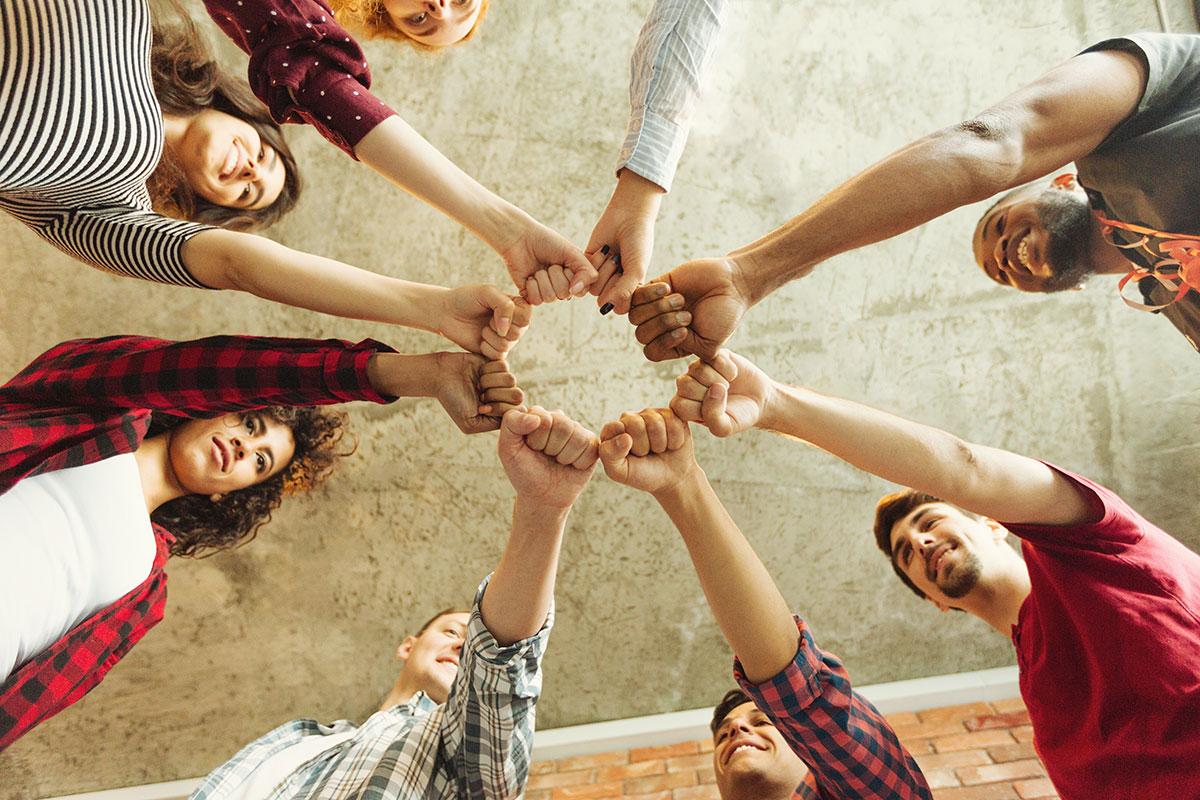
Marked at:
<point>81,134</point>
<point>117,453</point>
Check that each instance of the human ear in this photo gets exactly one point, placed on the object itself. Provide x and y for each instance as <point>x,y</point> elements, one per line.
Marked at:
<point>216,497</point>
<point>405,648</point>
<point>999,532</point>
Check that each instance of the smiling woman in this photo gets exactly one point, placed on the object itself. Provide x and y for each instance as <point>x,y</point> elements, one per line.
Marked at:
<point>425,24</point>
<point>225,161</point>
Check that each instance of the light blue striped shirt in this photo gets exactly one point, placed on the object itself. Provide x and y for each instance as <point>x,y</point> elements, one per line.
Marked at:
<point>667,70</point>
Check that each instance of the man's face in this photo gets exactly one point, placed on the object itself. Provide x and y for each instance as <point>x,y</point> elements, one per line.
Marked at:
<point>1037,239</point>
<point>431,659</point>
<point>944,552</point>
<point>751,758</point>
<point>224,454</point>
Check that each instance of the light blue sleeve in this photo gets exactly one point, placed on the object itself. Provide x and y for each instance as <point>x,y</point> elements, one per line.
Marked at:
<point>667,71</point>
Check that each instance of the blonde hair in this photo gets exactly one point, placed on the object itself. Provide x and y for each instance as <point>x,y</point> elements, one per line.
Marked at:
<point>371,19</point>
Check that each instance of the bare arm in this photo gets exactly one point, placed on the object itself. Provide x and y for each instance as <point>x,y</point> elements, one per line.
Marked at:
<point>1060,117</point>
<point>732,394</point>
<point>744,599</point>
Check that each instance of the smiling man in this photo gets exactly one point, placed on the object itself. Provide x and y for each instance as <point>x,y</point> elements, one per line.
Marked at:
<point>458,721</point>
<point>1103,610</point>
<point>1126,111</point>
<point>796,728</point>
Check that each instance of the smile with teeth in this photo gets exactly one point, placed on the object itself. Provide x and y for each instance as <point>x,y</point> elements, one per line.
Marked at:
<point>1023,252</point>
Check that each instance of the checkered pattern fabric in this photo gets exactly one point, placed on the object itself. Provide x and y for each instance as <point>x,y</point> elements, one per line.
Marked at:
<point>88,399</point>
<point>475,745</point>
<point>849,747</point>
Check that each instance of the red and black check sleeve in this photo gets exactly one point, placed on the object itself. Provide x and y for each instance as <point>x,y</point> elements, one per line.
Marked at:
<point>850,748</point>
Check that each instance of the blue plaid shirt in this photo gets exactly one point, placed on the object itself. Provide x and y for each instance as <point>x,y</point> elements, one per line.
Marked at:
<point>475,745</point>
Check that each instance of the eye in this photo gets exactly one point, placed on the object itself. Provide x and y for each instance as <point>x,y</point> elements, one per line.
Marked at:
<point>246,192</point>
<point>262,152</point>
<point>249,423</point>
<point>417,19</point>
<point>260,462</point>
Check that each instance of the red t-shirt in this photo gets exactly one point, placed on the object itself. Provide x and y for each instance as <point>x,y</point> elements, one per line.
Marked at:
<point>1108,643</point>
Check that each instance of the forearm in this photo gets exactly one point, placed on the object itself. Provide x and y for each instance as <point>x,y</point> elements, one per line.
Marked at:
<point>928,178</point>
<point>521,591</point>
<point>982,479</point>
<point>745,601</point>
<point>396,151</point>
<point>228,260</point>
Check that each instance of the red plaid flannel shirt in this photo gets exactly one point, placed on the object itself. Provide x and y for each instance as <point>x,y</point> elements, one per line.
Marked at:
<point>88,399</point>
<point>851,751</point>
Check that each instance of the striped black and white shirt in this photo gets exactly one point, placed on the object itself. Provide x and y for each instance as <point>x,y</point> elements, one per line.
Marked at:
<point>81,131</point>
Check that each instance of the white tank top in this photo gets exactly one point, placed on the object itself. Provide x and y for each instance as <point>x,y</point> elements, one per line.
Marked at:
<point>71,542</point>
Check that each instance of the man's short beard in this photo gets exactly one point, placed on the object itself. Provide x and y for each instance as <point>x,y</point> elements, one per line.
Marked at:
<point>963,578</point>
<point>1067,220</point>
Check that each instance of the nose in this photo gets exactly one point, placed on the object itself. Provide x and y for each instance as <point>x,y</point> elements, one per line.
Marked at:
<point>239,452</point>
<point>436,8</point>
<point>1000,253</point>
<point>250,171</point>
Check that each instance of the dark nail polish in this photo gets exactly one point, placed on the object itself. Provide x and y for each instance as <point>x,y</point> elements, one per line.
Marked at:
<point>607,307</point>
<point>617,261</point>
<point>604,250</point>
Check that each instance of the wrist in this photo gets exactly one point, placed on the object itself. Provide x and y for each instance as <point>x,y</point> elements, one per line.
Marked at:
<point>502,224</point>
<point>400,375</point>
<point>636,193</point>
<point>683,491</point>
<point>538,513</point>
<point>776,410</point>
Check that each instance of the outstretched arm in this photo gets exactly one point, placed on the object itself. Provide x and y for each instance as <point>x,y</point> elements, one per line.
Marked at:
<point>549,459</point>
<point>731,394</point>
<point>222,259</point>
<point>652,451</point>
<point>1060,117</point>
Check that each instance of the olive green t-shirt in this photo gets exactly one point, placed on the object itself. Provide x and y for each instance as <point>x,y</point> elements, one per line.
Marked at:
<point>1147,171</point>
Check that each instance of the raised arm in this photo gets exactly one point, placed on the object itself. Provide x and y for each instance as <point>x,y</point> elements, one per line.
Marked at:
<point>667,71</point>
<point>652,451</point>
<point>1058,118</point>
<point>222,259</point>
<point>731,394</point>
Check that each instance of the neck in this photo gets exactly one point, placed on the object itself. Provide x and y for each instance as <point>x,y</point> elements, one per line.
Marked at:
<point>402,691</point>
<point>174,128</point>
<point>159,484</point>
<point>1105,257</point>
<point>999,602</point>
<point>758,790</point>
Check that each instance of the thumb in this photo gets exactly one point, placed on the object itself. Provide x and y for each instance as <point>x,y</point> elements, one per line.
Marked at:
<point>516,424</point>
<point>613,453</point>
<point>712,410</point>
<point>502,307</point>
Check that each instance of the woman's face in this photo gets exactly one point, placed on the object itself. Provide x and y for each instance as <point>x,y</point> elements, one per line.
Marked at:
<point>226,162</point>
<point>222,455</point>
<point>437,23</point>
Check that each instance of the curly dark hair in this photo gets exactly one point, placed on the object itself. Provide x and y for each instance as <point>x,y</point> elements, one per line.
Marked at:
<point>202,527</point>
<point>187,80</point>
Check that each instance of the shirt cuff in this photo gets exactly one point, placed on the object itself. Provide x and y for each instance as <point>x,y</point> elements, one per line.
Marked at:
<point>346,371</point>
<point>485,646</point>
<point>342,109</point>
<point>796,686</point>
<point>653,146</point>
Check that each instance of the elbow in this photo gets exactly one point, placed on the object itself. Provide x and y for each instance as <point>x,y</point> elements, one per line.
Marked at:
<point>988,151</point>
<point>967,473</point>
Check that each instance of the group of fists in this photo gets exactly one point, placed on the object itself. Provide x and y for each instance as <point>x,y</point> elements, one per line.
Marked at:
<point>550,457</point>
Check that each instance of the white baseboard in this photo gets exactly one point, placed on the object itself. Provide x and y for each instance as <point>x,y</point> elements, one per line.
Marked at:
<point>680,726</point>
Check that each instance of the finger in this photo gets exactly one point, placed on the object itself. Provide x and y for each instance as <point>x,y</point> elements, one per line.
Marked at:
<point>689,388</point>
<point>677,430</point>
<point>583,274</point>
<point>533,293</point>
<point>656,429</point>
<point>537,439</point>
<point>635,426</point>
<point>712,410</point>
<point>667,346</point>
<point>545,287</point>
<point>703,373</point>
<point>559,282</point>
<point>606,268</point>
<point>519,423</point>
<point>560,434</point>
<point>493,345</point>
<point>724,365</point>
<point>575,446</point>
<point>651,292</point>
<point>619,292</point>
<point>502,309</point>
<point>611,430</point>
<point>512,397</point>
<point>497,380</point>
<point>662,324</point>
<point>645,312</point>
<point>686,409</point>
<point>591,452</point>
<point>522,314</point>
<point>495,365</point>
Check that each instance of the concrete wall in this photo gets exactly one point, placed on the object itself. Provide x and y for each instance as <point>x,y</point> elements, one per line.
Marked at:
<point>804,94</point>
